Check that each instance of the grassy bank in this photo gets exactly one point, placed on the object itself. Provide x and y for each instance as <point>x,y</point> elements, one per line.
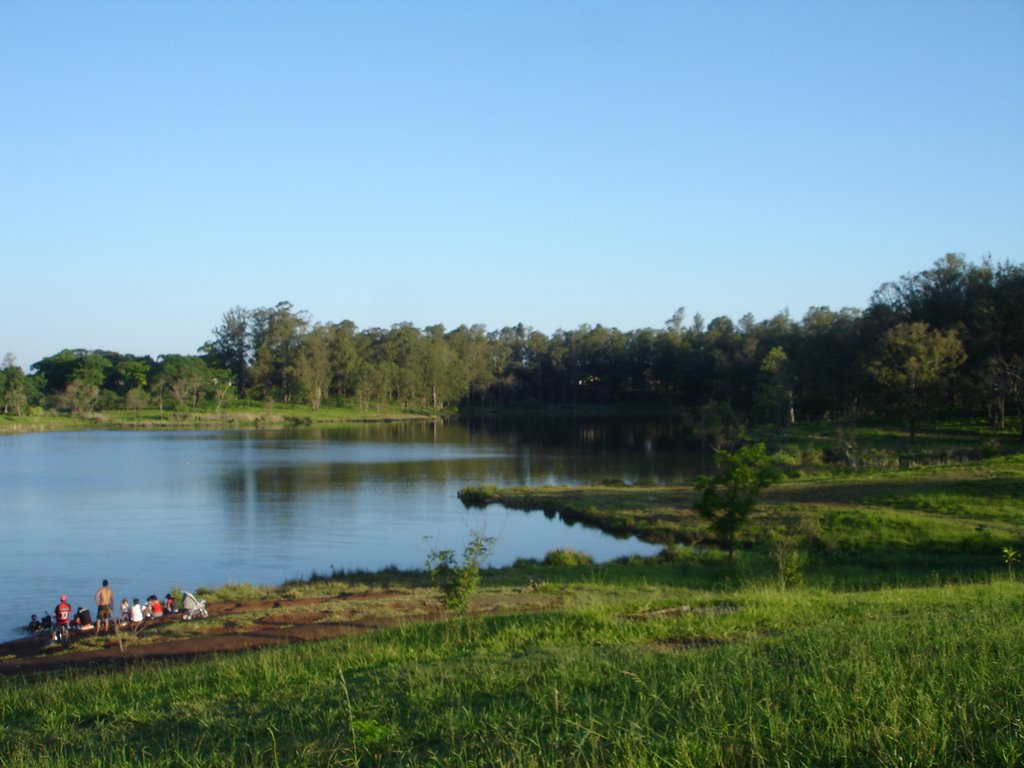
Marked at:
<point>256,415</point>
<point>883,526</point>
<point>628,670</point>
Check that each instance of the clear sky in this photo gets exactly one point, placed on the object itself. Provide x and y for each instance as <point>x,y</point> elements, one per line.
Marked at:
<point>545,162</point>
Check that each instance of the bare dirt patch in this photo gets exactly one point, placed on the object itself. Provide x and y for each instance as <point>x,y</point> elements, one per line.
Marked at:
<point>238,626</point>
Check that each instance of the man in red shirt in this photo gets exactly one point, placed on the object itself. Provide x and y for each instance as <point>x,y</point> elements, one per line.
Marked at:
<point>62,615</point>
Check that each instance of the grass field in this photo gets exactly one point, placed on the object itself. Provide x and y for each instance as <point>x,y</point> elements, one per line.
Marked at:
<point>894,637</point>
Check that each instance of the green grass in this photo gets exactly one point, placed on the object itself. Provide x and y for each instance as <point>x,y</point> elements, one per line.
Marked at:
<point>952,519</point>
<point>625,674</point>
<point>265,415</point>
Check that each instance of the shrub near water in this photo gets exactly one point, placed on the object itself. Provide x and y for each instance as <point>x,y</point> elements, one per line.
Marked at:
<point>457,581</point>
<point>567,557</point>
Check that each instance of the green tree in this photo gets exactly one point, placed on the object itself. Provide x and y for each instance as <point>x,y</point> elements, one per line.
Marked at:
<point>132,374</point>
<point>913,360</point>
<point>313,365</point>
<point>276,338</point>
<point>719,426</point>
<point>231,347</point>
<point>1008,322</point>
<point>13,387</point>
<point>457,581</point>
<point>79,396</point>
<point>136,399</point>
<point>92,370</point>
<point>54,372</point>
<point>775,388</point>
<point>184,378</point>
<point>343,348</point>
<point>728,497</point>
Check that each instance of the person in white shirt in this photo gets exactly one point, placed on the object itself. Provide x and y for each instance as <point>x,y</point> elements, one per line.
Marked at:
<point>136,612</point>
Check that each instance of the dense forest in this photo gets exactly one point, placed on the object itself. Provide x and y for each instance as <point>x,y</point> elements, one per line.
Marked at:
<point>947,339</point>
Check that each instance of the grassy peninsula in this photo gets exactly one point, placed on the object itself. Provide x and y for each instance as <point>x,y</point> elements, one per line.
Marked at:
<point>868,618</point>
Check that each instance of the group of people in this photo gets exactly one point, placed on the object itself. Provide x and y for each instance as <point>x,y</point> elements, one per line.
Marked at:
<point>63,618</point>
<point>151,609</point>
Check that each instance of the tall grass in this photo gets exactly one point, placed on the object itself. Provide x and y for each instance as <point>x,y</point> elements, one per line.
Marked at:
<point>656,676</point>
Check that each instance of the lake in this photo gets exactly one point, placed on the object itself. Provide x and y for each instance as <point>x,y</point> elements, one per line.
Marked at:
<point>151,511</point>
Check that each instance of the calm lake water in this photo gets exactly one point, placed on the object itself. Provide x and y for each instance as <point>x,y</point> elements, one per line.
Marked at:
<point>155,510</point>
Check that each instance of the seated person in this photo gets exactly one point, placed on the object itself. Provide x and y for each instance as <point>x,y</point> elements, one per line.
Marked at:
<point>170,606</point>
<point>83,619</point>
<point>136,612</point>
<point>126,611</point>
<point>62,613</point>
<point>156,611</point>
<point>62,617</point>
<point>34,624</point>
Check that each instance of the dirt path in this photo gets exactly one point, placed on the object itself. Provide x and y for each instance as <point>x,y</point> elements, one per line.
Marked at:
<point>235,627</point>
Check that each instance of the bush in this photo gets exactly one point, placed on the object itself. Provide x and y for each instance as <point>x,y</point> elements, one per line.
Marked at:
<point>457,582</point>
<point>567,556</point>
<point>671,553</point>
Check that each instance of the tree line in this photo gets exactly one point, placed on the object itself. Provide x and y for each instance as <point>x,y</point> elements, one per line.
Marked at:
<point>950,337</point>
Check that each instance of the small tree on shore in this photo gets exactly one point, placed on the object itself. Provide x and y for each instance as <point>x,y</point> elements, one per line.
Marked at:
<point>728,497</point>
<point>456,581</point>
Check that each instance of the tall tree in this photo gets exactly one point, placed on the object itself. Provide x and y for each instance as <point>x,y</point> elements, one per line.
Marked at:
<point>313,365</point>
<point>1008,304</point>
<point>132,373</point>
<point>184,378</point>
<point>276,337</point>
<point>343,348</point>
<point>232,346</point>
<point>913,360</point>
<point>775,387</point>
<point>13,387</point>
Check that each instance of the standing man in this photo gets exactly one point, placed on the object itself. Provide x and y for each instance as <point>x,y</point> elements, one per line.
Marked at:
<point>104,606</point>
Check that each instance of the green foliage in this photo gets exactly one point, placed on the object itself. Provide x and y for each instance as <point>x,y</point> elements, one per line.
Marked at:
<point>458,580</point>
<point>790,559</point>
<point>722,378</point>
<point>1011,557</point>
<point>728,498</point>
<point>567,557</point>
<point>913,360</point>
<point>720,425</point>
<point>79,397</point>
<point>479,496</point>
<point>13,389</point>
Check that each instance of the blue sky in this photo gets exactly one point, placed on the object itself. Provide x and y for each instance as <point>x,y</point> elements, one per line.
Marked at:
<point>550,163</point>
